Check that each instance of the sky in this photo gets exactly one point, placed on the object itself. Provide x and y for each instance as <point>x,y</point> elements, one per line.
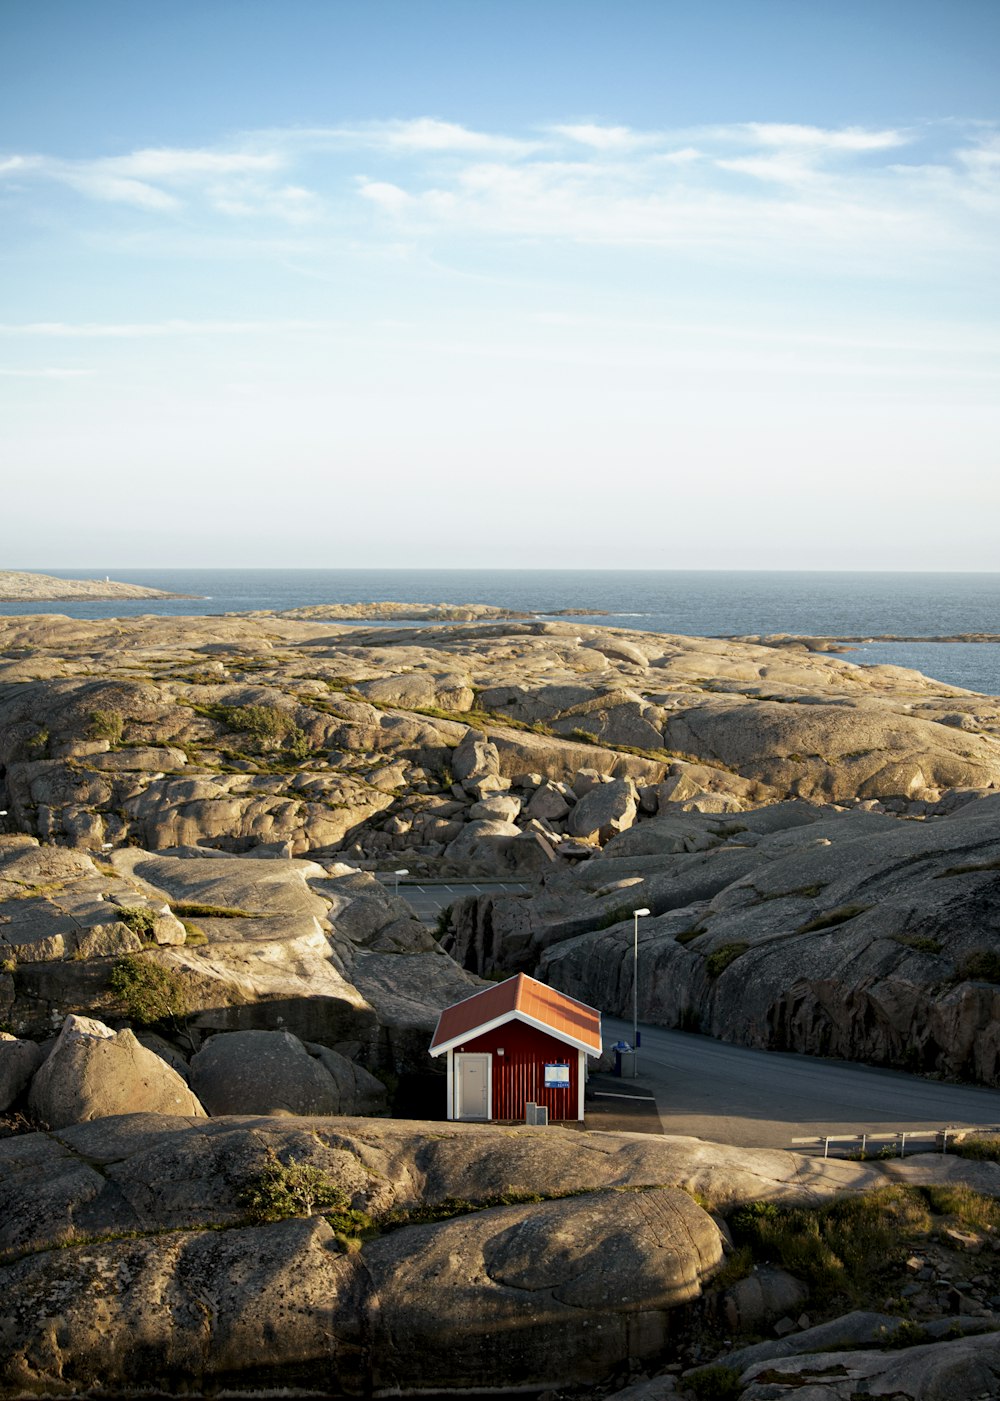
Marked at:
<point>500,284</point>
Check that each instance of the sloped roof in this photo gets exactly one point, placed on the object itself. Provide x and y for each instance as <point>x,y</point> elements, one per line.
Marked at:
<point>524,999</point>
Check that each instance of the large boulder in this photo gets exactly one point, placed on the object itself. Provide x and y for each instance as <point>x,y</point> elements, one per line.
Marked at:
<point>93,1073</point>
<point>359,1092</point>
<point>474,758</point>
<point>262,1072</point>
<point>605,811</point>
<point>485,1296</point>
<point>483,845</point>
<point>18,1062</point>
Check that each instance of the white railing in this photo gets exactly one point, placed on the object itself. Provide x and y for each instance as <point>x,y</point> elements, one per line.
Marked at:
<point>940,1137</point>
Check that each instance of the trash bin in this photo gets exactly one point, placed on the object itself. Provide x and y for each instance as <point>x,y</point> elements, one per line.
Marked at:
<point>620,1048</point>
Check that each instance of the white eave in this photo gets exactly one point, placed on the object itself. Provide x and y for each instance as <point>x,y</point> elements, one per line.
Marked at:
<point>512,1016</point>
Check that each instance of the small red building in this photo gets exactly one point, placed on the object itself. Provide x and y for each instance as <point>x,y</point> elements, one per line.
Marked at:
<point>513,1043</point>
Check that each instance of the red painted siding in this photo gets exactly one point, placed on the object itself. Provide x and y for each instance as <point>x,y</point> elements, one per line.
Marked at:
<point>519,1074</point>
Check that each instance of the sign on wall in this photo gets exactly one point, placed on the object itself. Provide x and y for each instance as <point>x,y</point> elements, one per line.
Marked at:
<point>557,1077</point>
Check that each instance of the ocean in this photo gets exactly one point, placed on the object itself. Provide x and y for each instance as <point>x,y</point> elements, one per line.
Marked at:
<point>695,603</point>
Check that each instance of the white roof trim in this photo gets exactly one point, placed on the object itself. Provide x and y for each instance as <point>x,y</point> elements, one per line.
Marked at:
<point>520,1016</point>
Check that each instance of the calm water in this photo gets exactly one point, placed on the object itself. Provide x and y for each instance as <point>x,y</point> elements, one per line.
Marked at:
<point>695,603</point>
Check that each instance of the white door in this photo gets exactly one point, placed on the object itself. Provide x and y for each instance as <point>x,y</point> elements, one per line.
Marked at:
<point>472,1086</point>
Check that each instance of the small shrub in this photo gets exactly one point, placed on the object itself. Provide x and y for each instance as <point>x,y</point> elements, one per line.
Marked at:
<point>282,1190</point>
<point>842,1250</point>
<point>718,1383</point>
<point>920,942</point>
<point>979,1149</point>
<point>106,724</point>
<point>262,722</point>
<point>734,1268</point>
<point>194,935</point>
<point>832,918</point>
<point>139,919</point>
<point>981,966</point>
<point>687,936</point>
<point>297,745</point>
<point>148,992</point>
<point>37,746</point>
<point>191,908</point>
<point>717,962</point>
<point>968,1207</point>
<point>8,965</point>
<point>905,1334</point>
<point>972,868</point>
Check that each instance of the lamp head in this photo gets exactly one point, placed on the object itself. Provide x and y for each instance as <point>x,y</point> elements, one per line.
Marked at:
<point>640,912</point>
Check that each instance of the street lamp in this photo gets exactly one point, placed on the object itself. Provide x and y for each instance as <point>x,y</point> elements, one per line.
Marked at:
<point>397,874</point>
<point>636,916</point>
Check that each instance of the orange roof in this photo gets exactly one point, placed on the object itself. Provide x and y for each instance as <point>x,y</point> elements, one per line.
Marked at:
<point>527,1000</point>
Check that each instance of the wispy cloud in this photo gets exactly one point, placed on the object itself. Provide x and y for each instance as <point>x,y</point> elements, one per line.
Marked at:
<point>606,138</point>
<point>754,189</point>
<point>814,138</point>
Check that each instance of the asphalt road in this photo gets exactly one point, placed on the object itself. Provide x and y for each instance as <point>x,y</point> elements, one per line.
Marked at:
<point>429,898</point>
<point>764,1099</point>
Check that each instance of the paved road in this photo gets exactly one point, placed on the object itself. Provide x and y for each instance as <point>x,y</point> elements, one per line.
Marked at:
<point>764,1099</point>
<point>430,897</point>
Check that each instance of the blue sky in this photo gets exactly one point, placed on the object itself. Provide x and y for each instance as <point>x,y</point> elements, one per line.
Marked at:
<point>553,284</point>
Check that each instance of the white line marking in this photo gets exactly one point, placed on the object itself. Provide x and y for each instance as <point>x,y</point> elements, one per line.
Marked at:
<point>611,1094</point>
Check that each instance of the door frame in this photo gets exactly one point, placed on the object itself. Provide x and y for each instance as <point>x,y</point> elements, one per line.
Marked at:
<point>456,1106</point>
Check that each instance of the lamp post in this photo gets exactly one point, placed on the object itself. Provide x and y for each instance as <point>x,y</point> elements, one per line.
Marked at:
<point>636,916</point>
<point>397,874</point>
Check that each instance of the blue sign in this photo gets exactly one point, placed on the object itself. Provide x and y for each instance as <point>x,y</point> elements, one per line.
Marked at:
<point>557,1077</point>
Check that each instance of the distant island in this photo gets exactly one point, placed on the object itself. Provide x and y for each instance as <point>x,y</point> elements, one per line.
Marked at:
<point>23,587</point>
<point>428,612</point>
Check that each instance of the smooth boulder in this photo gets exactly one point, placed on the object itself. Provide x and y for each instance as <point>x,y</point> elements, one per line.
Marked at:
<point>93,1073</point>
<point>18,1062</point>
<point>262,1072</point>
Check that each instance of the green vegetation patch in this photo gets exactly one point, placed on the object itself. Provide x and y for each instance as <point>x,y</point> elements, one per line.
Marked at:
<point>971,869</point>
<point>106,724</point>
<point>850,1250</point>
<point>922,943</point>
<point>267,727</point>
<point>980,966</point>
<point>147,991</point>
<point>139,919</point>
<point>718,961</point>
<point>185,909</point>
<point>805,892</point>
<point>281,1190</point>
<point>832,918</point>
<point>979,1149</point>
<point>717,1383</point>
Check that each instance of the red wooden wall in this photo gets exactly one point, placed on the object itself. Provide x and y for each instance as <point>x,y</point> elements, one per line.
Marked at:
<point>519,1074</point>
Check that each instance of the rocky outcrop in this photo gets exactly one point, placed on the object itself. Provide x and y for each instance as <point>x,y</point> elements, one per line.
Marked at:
<point>934,1372</point>
<point>17,586</point>
<point>844,933</point>
<point>325,953</point>
<point>92,1073</point>
<point>193,1295</point>
<point>128,1258</point>
<point>279,733</point>
<point>271,1072</point>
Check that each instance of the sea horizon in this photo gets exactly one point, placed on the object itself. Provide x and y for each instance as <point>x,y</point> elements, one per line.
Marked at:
<point>696,603</point>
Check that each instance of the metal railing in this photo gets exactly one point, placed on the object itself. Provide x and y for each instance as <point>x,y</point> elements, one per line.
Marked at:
<point>939,1137</point>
